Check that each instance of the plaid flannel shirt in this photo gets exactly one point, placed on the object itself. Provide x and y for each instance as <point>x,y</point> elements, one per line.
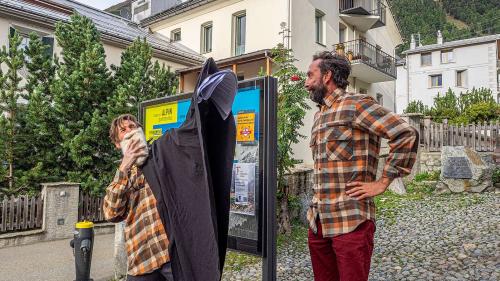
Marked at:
<point>130,198</point>
<point>345,144</point>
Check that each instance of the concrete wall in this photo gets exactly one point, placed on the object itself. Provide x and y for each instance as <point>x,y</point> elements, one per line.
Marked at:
<point>479,61</point>
<point>60,214</point>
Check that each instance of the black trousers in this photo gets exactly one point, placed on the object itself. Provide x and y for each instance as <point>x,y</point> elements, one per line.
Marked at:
<point>163,273</point>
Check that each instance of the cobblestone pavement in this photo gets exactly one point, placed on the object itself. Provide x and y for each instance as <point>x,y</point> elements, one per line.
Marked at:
<point>447,237</point>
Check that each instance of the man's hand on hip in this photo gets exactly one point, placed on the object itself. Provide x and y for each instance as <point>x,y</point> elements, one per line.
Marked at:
<point>361,190</point>
<point>133,151</point>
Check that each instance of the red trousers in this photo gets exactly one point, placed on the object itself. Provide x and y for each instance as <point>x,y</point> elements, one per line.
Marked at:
<point>345,257</point>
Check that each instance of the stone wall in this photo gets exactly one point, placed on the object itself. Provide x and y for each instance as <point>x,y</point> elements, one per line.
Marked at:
<point>429,162</point>
<point>60,214</point>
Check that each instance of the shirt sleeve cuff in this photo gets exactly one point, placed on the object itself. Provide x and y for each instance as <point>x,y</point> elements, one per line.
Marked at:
<point>120,177</point>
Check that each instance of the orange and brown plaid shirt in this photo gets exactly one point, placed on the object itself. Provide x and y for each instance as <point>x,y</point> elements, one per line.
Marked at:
<point>345,144</point>
<point>130,198</point>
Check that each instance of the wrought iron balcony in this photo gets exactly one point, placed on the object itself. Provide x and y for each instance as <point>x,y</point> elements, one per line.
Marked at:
<point>368,62</point>
<point>364,14</point>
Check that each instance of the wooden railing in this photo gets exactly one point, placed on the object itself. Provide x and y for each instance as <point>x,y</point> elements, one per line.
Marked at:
<point>90,208</point>
<point>21,213</point>
<point>482,137</point>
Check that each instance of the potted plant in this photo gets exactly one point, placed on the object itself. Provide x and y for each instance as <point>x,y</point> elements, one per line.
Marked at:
<point>340,49</point>
<point>350,55</point>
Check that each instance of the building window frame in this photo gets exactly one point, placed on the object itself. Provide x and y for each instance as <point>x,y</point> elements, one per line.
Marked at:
<point>423,61</point>
<point>319,27</point>
<point>239,33</point>
<point>461,78</point>
<point>176,35</point>
<point>436,81</point>
<point>447,56</point>
<point>206,37</point>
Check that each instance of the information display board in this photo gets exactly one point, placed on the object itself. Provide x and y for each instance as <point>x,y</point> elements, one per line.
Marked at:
<point>255,117</point>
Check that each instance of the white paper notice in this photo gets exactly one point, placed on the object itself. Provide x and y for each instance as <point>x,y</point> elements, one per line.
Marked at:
<point>244,182</point>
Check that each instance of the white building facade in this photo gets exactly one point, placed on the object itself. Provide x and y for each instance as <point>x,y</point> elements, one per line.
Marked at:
<point>457,65</point>
<point>231,28</point>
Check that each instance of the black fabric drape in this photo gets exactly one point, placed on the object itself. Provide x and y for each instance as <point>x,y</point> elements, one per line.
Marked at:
<point>189,170</point>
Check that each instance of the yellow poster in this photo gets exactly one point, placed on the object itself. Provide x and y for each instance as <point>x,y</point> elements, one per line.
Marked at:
<point>245,126</point>
<point>159,115</point>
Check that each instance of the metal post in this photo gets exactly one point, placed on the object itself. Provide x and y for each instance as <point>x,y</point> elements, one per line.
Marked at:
<point>269,213</point>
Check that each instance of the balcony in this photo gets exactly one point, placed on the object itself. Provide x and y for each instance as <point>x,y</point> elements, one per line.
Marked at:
<point>364,14</point>
<point>368,62</point>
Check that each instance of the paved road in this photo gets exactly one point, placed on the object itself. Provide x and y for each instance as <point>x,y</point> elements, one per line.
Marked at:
<point>53,261</point>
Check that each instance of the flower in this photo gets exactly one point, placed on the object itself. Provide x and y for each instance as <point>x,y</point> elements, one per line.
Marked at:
<point>295,77</point>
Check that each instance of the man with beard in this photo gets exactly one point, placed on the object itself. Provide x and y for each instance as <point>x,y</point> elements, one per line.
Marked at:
<point>345,144</point>
<point>129,198</point>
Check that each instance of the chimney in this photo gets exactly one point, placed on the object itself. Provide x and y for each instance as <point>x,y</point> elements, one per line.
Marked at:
<point>413,44</point>
<point>439,37</point>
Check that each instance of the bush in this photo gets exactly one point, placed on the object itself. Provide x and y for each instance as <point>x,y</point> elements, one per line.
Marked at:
<point>496,176</point>
<point>417,106</point>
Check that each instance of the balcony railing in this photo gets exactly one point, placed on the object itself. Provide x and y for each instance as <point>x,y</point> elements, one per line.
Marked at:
<point>364,52</point>
<point>363,7</point>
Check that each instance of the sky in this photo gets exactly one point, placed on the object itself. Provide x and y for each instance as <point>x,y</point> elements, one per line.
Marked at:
<point>99,4</point>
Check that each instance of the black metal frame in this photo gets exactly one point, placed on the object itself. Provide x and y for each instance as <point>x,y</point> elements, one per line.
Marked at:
<point>265,245</point>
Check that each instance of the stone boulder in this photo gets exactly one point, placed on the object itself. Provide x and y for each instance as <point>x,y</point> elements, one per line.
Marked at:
<point>463,170</point>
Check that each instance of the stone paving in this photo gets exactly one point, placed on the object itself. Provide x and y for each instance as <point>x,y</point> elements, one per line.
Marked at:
<point>447,237</point>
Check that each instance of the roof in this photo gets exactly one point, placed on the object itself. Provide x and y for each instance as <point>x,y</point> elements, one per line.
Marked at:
<point>454,44</point>
<point>112,28</point>
<point>175,10</point>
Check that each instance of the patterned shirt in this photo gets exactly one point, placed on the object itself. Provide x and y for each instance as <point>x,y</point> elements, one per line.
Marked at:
<point>130,198</point>
<point>345,144</point>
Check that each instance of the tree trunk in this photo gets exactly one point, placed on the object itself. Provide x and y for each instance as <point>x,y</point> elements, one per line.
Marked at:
<point>284,217</point>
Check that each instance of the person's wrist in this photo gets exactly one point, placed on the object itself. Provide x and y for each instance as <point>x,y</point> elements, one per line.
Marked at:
<point>124,168</point>
<point>385,181</point>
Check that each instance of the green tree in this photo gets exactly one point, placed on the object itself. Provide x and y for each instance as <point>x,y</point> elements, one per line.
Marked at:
<point>417,106</point>
<point>292,108</point>
<point>80,90</point>
<point>12,58</point>
<point>136,79</point>
<point>445,107</point>
<point>40,132</point>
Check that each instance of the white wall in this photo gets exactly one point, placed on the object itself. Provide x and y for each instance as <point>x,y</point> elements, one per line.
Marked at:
<point>263,18</point>
<point>478,60</point>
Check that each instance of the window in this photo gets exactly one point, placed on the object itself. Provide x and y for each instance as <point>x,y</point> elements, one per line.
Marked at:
<point>461,78</point>
<point>206,37</point>
<point>175,35</point>
<point>141,8</point>
<point>380,99</point>
<point>239,23</point>
<point>320,18</point>
<point>342,33</point>
<point>436,80</point>
<point>426,59</point>
<point>447,56</point>
<point>25,39</point>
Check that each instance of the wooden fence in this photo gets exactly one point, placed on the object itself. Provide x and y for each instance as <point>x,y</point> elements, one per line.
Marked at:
<point>21,213</point>
<point>480,137</point>
<point>90,208</point>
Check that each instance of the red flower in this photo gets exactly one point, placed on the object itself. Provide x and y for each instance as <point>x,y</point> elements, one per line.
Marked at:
<point>295,77</point>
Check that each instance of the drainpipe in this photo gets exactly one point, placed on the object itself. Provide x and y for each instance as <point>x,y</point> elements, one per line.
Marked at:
<point>289,11</point>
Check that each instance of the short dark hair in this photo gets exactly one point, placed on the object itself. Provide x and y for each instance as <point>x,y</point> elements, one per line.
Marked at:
<point>117,122</point>
<point>339,65</point>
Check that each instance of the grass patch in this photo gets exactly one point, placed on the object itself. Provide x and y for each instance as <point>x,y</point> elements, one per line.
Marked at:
<point>236,261</point>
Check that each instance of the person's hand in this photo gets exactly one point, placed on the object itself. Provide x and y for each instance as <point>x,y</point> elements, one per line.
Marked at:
<point>134,150</point>
<point>361,190</point>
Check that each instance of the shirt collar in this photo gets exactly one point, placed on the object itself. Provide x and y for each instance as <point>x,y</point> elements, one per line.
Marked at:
<point>330,98</point>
